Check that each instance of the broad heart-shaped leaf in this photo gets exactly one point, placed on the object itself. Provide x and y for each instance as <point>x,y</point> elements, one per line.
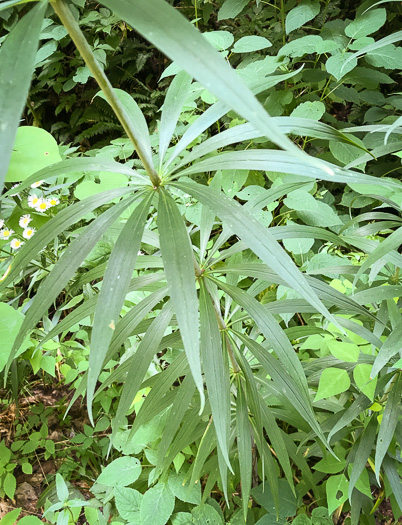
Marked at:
<point>33,150</point>
<point>247,44</point>
<point>120,472</point>
<point>169,31</point>
<point>141,360</point>
<point>177,255</point>
<point>337,491</point>
<point>244,446</point>
<point>302,13</point>
<point>257,238</point>
<point>388,423</point>
<point>65,268</point>
<point>114,288</point>
<point>157,505</point>
<point>333,381</point>
<point>215,371</point>
<point>107,181</point>
<point>175,98</point>
<point>17,57</point>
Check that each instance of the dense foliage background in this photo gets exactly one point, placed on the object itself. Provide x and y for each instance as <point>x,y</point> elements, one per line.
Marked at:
<point>302,419</point>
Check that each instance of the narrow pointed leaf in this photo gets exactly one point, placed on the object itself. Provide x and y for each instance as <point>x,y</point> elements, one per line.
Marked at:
<point>243,432</point>
<point>139,124</point>
<point>17,62</point>
<point>65,268</point>
<point>141,361</point>
<point>257,238</point>
<point>175,98</point>
<point>62,221</point>
<point>389,348</point>
<point>114,289</point>
<point>216,372</point>
<point>363,453</point>
<point>170,32</point>
<point>389,421</point>
<point>391,471</point>
<point>177,255</point>
<point>282,162</point>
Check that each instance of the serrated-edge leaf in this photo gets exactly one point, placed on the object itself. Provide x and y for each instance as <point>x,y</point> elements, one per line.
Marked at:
<point>17,59</point>
<point>177,255</point>
<point>115,284</point>
<point>388,424</point>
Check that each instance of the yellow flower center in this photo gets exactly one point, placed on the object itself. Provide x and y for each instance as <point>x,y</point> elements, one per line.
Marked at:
<point>6,233</point>
<point>34,201</point>
<point>42,206</point>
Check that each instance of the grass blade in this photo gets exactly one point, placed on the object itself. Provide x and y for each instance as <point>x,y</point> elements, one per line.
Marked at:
<point>363,452</point>
<point>17,60</point>
<point>177,255</point>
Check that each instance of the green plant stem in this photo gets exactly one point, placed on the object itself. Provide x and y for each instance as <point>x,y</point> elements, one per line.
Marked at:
<point>63,12</point>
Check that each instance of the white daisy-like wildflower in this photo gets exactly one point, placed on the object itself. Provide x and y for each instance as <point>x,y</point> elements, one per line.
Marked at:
<point>37,184</point>
<point>14,194</point>
<point>53,201</point>
<point>25,220</point>
<point>16,243</point>
<point>6,233</point>
<point>33,201</point>
<point>28,232</point>
<point>42,205</point>
<point>1,223</point>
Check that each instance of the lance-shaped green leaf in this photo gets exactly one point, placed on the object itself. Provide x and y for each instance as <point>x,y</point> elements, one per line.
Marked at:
<point>88,307</point>
<point>384,248</point>
<point>174,101</point>
<point>141,361</point>
<point>244,447</point>
<point>139,126</point>
<point>285,383</point>
<point>363,453</point>
<point>177,255</point>
<point>114,289</point>
<point>394,478</point>
<point>273,333</point>
<point>63,220</point>
<point>17,62</point>
<point>170,32</point>
<point>81,164</point>
<point>294,125</point>
<point>218,110</point>
<point>180,406</point>
<point>389,421</point>
<point>390,39</point>
<point>65,268</point>
<point>281,162</point>
<point>216,372</point>
<point>389,348</point>
<point>257,238</point>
